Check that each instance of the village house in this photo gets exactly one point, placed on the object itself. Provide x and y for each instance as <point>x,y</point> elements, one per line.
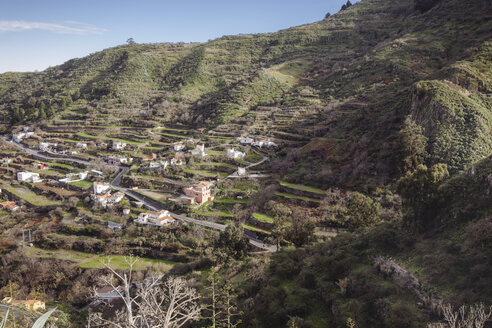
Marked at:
<point>72,177</point>
<point>156,165</point>
<point>118,145</point>
<point>241,171</point>
<point>5,161</point>
<point>31,305</point>
<point>245,140</point>
<point>162,218</point>
<point>81,145</point>
<point>178,146</point>
<point>101,187</point>
<point>25,134</point>
<point>28,177</point>
<point>232,153</point>
<point>265,143</point>
<point>108,294</point>
<point>97,173</point>
<point>177,160</point>
<point>106,199</point>
<point>10,206</point>
<point>199,151</point>
<point>116,160</point>
<point>46,146</point>
<point>199,193</point>
<point>102,145</point>
<point>40,166</point>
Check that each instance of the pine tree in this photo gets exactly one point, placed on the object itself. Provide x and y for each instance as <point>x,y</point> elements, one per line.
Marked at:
<point>41,113</point>
<point>50,111</point>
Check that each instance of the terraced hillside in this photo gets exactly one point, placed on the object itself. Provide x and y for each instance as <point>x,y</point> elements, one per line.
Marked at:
<point>350,79</point>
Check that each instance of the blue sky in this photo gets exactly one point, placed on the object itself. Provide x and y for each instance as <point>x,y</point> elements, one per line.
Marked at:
<point>36,34</point>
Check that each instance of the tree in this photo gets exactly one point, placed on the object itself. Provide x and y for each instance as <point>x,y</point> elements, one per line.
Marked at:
<point>412,146</point>
<point>277,233</point>
<point>231,243</point>
<point>473,316</point>
<point>346,5</point>
<point>18,114</point>
<point>152,303</point>
<point>50,111</point>
<point>419,192</point>
<point>41,113</point>
<point>362,211</point>
<point>213,306</point>
<point>327,15</point>
<point>301,231</point>
<point>130,41</point>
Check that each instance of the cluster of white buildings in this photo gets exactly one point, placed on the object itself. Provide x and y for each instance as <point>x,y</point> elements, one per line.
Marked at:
<point>102,194</point>
<point>160,219</point>
<point>72,177</point>
<point>232,153</point>
<point>118,145</point>
<point>262,143</point>
<point>46,146</point>
<point>24,134</point>
<point>199,151</point>
<point>28,177</point>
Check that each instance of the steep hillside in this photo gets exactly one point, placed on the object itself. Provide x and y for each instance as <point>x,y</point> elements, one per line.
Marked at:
<point>387,276</point>
<point>351,78</point>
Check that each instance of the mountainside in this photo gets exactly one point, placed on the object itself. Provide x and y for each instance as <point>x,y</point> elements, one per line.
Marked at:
<point>349,79</point>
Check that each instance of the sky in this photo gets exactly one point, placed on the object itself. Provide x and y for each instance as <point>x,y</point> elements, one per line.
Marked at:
<point>37,34</point>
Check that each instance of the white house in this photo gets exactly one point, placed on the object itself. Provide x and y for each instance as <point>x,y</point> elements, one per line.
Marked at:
<point>28,177</point>
<point>232,153</point>
<point>5,160</point>
<point>245,140</point>
<point>159,219</point>
<point>241,171</point>
<point>199,151</point>
<point>117,145</point>
<point>83,175</point>
<point>176,161</point>
<point>265,143</point>
<point>108,294</point>
<point>101,187</point>
<point>81,145</point>
<point>18,137</point>
<point>106,199</point>
<point>156,165</point>
<point>45,146</point>
<point>178,146</point>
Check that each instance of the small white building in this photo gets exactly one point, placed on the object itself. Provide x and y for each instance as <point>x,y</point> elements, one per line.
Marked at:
<point>81,145</point>
<point>28,177</point>
<point>18,137</point>
<point>116,160</point>
<point>45,146</point>
<point>265,143</point>
<point>156,165</point>
<point>241,171</point>
<point>106,199</point>
<point>101,187</point>
<point>232,153</point>
<point>162,218</point>
<point>178,146</point>
<point>199,151</point>
<point>118,145</point>
<point>245,140</point>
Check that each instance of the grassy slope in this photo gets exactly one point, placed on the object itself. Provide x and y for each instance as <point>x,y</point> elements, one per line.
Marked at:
<point>452,262</point>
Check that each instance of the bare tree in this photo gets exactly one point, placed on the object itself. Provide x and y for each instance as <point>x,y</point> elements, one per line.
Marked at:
<point>150,303</point>
<point>473,316</point>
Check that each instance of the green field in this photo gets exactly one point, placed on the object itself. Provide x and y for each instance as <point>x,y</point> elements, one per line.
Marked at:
<point>302,187</point>
<point>84,184</point>
<point>29,196</point>
<point>94,261</point>
<point>262,217</point>
<point>290,196</point>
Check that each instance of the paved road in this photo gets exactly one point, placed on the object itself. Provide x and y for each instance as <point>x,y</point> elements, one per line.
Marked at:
<point>151,204</point>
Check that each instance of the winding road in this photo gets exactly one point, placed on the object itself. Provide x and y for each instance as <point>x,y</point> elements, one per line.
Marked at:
<point>149,203</point>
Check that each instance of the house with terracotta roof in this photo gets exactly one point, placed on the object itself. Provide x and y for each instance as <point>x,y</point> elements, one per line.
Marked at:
<point>199,193</point>
<point>10,206</point>
<point>178,146</point>
<point>106,199</point>
<point>160,219</point>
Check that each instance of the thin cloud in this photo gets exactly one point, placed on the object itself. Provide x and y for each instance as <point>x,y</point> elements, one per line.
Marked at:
<point>68,27</point>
